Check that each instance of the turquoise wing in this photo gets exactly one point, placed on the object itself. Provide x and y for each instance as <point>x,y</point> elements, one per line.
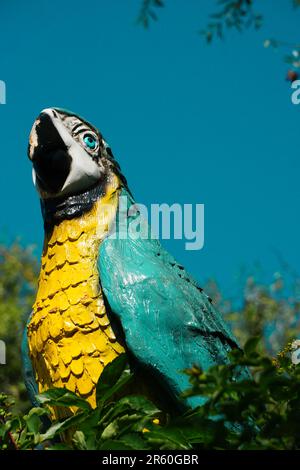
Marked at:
<point>168,323</point>
<point>28,371</point>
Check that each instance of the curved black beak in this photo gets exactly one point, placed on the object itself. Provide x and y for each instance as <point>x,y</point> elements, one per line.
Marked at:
<point>49,155</point>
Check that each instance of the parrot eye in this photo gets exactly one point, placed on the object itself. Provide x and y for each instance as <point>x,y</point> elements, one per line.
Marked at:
<point>90,140</point>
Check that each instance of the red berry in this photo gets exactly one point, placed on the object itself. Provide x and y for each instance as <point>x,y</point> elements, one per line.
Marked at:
<point>292,75</point>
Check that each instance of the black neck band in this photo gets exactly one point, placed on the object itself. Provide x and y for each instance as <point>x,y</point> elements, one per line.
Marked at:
<point>69,207</point>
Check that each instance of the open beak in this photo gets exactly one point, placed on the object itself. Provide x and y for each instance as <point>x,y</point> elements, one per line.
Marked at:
<point>48,153</point>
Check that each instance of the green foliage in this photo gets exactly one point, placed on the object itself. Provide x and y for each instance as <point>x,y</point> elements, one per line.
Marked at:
<point>261,412</point>
<point>113,424</point>
<point>18,280</point>
<point>237,14</point>
<point>268,310</point>
<point>231,14</point>
<point>147,11</point>
<point>6,439</point>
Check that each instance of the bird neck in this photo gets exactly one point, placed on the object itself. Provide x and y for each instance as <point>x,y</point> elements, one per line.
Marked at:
<point>70,337</point>
<point>55,210</point>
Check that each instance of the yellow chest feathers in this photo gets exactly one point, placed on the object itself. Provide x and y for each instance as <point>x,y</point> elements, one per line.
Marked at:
<point>69,334</point>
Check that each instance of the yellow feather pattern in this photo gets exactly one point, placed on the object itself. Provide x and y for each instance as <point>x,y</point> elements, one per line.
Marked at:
<point>70,337</point>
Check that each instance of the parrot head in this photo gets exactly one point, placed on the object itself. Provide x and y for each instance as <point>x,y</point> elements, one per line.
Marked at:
<point>69,155</point>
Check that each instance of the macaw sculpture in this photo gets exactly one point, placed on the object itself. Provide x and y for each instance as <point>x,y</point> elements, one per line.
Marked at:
<point>100,293</point>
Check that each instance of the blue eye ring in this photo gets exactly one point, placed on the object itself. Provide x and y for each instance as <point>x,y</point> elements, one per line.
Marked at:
<point>90,141</point>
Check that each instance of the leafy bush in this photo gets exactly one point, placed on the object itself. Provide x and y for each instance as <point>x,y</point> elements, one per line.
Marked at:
<point>18,281</point>
<point>270,310</point>
<point>261,412</point>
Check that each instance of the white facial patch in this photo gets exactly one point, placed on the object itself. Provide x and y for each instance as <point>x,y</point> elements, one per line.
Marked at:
<point>84,170</point>
<point>33,138</point>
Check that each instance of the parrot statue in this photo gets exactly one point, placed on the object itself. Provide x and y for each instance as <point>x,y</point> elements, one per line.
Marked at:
<point>101,293</point>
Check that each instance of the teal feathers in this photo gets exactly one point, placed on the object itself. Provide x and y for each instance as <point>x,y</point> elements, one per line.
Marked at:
<point>169,324</point>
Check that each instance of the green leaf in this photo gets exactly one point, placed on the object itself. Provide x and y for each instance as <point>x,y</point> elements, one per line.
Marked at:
<point>125,378</point>
<point>168,439</point>
<point>110,431</point>
<point>135,441</point>
<point>140,403</point>
<point>110,375</point>
<point>62,397</point>
<point>113,411</point>
<point>52,431</point>
<point>114,445</point>
<point>90,421</point>
<point>79,440</point>
<point>123,424</point>
<point>59,447</point>
<point>153,15</point>
<point>33,420</point>
<point>251,345</point>
<point>129,406</point>
<point>61,426</point>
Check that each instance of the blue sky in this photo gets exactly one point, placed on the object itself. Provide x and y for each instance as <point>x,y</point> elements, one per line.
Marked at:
<point>189,123</point>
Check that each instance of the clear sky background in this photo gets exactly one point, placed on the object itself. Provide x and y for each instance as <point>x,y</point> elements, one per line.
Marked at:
<point>188,123</point>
